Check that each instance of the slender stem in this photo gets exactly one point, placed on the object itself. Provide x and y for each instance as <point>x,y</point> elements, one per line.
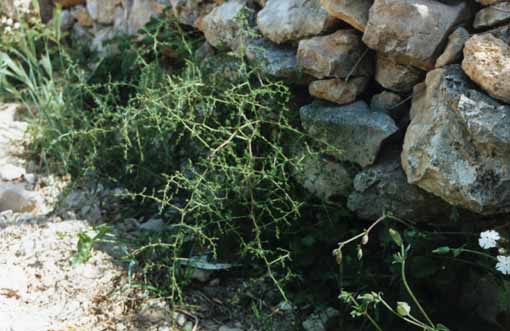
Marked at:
<point>367,315</point>
<point>379,220</point>
<point>408,288</point>
<point>475,252</point>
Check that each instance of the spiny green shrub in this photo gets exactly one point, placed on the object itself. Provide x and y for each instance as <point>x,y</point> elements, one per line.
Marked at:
<point>209,152</point>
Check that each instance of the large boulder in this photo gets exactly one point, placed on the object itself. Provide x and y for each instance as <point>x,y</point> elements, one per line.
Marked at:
<point>394,76</point>
<point>354,12</point>
<point>383,188</point>
<point>412,31</point>
<point>354,132</point>
<point>339,55</point>
<point>487,63</point>
<point>287,20</point>
<point>458,143</point>
<point>493,15</point>
<point>222,27</point>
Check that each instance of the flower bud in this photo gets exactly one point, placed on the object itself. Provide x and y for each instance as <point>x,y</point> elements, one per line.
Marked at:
<point>397,239</point>
<point>338,255</point>
<point>364,240</point>
<point>360,253</point>
<point>403,308</point>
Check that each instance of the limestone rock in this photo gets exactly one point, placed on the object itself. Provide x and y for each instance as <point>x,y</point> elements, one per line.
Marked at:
<point>9,172</point>
<point>394,76</point>
<point>355,130</point>
<point>334,55</point>
<point>189,11</point>
<point>412,31</point>
<point>383,188</point>
<point>102,11</point>
<point>14,197</point>
<point>222,26</point>
<point>458,143</point>
<point>354,12</point>
<point>287,20</point>
<point>322,177</point>
<point>140,14</point>
<point>275,60</point>
<point>453,50</point>
<point>493,15</point>
<point>487,63</point>
<point>338,90</point>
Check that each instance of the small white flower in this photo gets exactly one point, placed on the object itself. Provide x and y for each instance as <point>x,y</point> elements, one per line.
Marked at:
<point>488,239</point>
<point>16,25</point>
<point>503,264</point>
<point>9,21</point>
<point>8,29</point>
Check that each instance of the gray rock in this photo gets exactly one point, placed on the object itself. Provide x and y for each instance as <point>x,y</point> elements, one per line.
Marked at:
<point>335,55</point>
<point>493,15</point>
<point>228,328</point>
<point>275,60</point>
<point>412,31</point>
<point>390,103</point>
<point>222,27</point>
<point>394,76</point>
<point>102,11</point>
<point>66,20</point>
<point>453,50</point>
<point>322,177</point>
<point>458,143</point>
<point>354,130</point>
<point>339,91</point>
<point>319,321</point>
<point>383,188</point>
<point>354,12</point>
<point>287,20</point>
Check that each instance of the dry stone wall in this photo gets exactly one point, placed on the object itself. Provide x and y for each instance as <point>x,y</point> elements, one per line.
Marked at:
<point>414,92</point>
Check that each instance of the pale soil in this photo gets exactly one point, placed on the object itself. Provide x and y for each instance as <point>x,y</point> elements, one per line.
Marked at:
<point>39,288</point>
